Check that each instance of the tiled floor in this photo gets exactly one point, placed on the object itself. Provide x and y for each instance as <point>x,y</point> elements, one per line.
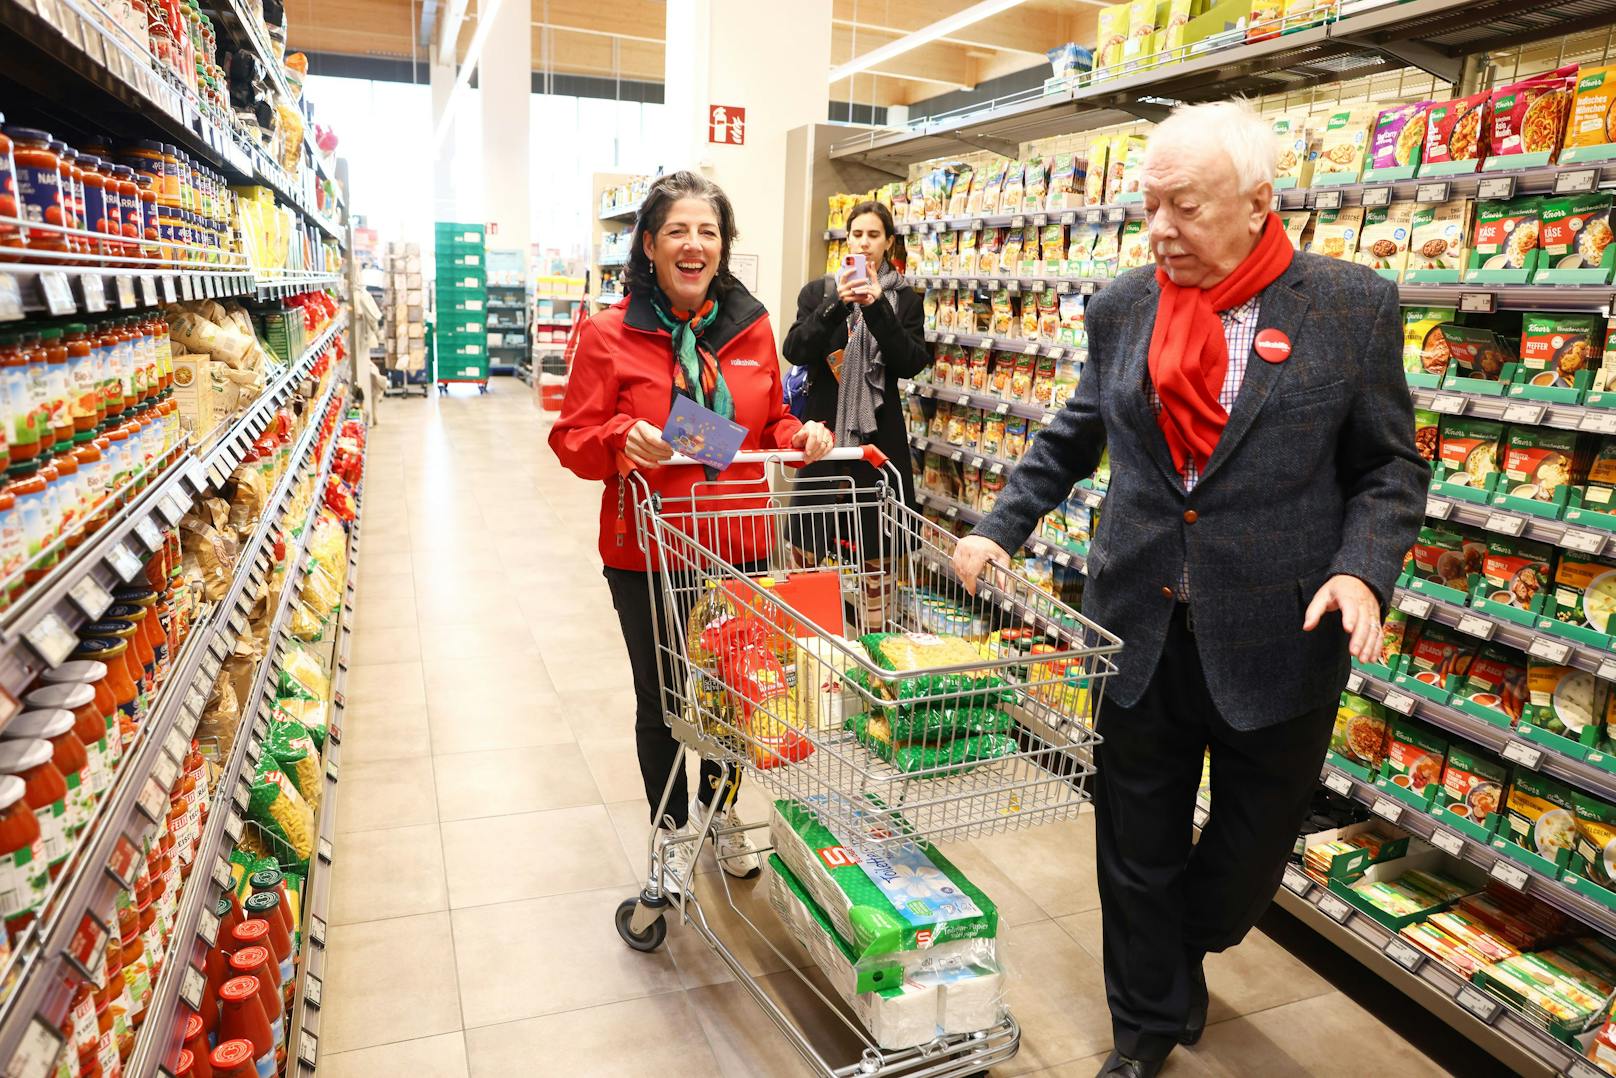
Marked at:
<point>491,819</point>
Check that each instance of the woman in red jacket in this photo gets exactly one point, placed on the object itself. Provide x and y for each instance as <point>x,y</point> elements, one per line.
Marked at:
<point>686,327</point>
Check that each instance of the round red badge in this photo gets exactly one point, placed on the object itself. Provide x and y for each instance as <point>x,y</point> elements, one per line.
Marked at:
<point>1273,346</point>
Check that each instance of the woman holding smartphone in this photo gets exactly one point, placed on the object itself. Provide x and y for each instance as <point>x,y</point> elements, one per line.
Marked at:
<point>857,333</point>
<point>687,328</point>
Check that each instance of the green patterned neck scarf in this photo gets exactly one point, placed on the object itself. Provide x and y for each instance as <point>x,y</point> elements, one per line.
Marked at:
<point>695,367</point>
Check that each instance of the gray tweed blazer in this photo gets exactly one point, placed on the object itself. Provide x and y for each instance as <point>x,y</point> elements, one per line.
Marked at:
<point>1316,474</point>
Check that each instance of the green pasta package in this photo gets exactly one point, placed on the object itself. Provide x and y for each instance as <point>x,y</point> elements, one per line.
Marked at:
<point>900,652</point>
<point>958,754</point>
<point>282,813</point>
<point>295,753</point>
<point>940,723</point>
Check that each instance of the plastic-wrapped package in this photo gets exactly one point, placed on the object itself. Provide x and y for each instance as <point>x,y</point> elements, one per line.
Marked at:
<point>281,811</point>
<point>295,753</point>
<point>302,675</point>
<point>901,652</point>
<point>312,715</point>
<point>952,996</point>
<point>936,756</point>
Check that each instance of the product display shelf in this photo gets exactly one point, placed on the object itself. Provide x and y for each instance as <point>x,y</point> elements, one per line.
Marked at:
<point>1064,554</point>
<point>1517,1043</point>
<point>608,299</point>
<point>1495,737</point>
<point>103,863</point>
<point>95,70</point>
<point>1498,864</point>
<point>625,212</point>
<point>41,627</point>
<point>1488,627</point>
<point>1003,344</point>
<point>1368,38</point>
<point>39,288</point>
<point>182,980</point>
<point>303,1021</point>
<point>985,401</point>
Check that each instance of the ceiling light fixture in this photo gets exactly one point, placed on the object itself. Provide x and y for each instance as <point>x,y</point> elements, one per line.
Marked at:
<point>941,28</point>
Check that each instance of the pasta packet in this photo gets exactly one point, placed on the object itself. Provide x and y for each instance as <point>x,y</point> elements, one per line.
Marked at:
<point>937,758</point>
<point>899,652</point>
<point>294,752</point>
<point>277,807</point>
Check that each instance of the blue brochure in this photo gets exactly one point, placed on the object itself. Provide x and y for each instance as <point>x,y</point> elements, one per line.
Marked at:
<point>701,434</point>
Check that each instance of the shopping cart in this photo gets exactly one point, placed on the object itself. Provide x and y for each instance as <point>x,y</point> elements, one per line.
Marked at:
<point>738,610</point>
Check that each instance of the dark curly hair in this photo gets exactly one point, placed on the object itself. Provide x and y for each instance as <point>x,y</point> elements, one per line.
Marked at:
<point>664,192</point>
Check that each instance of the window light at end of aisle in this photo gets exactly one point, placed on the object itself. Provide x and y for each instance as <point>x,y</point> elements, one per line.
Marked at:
<point>486,17</point>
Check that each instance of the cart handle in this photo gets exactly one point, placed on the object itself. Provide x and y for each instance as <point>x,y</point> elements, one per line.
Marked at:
<point>794,458</point>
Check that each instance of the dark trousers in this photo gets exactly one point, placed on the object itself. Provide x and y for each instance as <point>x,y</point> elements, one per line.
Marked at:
<point>653,741</point>
<point>1166,901</point>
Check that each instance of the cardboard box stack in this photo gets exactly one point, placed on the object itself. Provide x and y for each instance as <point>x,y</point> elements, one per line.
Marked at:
<point>406,308</point>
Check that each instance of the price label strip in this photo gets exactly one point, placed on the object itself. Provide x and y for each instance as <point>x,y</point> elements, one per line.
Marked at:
<point>1509,874</point>
<point>1472,625</point>
<point>1335,907</point>
<point>1523,753</point>
<point>90,597</point>
<point>121,864</point>
<point>51,639</point>
<point>1401,703</point>
<point>192,985</point>
<point>1338,782</point>
<point>1296,881</point>
<point>1448,842</point>
<point>1388,809</point>
<point>1478,1003</point>
<point>1552,651</point>
<point>1414,606</point>
<point>1404,953</point>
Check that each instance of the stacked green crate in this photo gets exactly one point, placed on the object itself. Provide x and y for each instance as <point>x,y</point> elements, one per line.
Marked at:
<point>462,292</point>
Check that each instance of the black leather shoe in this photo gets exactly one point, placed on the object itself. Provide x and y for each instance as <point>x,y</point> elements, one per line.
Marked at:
<point>1118,1065</point>
<point>1195,1025</point>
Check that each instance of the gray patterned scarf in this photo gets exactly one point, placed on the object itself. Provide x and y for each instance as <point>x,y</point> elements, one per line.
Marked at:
<point>863,375</point>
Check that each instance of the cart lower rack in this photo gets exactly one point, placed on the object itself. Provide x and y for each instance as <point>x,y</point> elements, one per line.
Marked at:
<point>814,640</point>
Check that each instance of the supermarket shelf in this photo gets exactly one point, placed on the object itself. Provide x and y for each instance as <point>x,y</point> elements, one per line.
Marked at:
<point>608,299</point>
<point>1005,344</point>
<point>303,1021</point>
<point>618,213</point>
<point>1064,553</point>
<point>41,629</point>
<point>505,306</point>
<point>38,288</point>
<point>1495,737</point>
<point>1510,410</point>
<point>1508,522</point>
<point>1486,626</point>
<point>41,995</point>
<point>1370,37</point>
<point>613,260</point>
<point>1497,864</point>
<point>985,401</point>
<point>160,1036</point>
<point>552,322</point>
<point>1015,283</point>
<point>1500,1030</point>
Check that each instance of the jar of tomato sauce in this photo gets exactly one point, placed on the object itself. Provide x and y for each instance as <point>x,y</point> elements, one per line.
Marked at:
<point>81,671</point>
<point>13,549</point>
<point>113,653</point>
<point>259,964</point>
<point>149,226</point>
<point>88,723</point>
<point>128,212</point>
<point>124,631</point>
<point>56,726</point>
<point>45,792</point>
<point>266,906</point>
<point>10,235</point>
<point>24,869</point>
<point>23,423</point>
<point>144,654</point>
<point>73,198</point>
<point>29,489</point>
<point>80,380</point>
<point>194,1036</point>
<point>39,188</point>
<point>145,598</point>
<point>235,1059</point>
<point>242,1017</point>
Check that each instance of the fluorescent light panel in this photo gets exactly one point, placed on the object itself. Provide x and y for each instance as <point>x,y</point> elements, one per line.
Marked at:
<point>941,28</point>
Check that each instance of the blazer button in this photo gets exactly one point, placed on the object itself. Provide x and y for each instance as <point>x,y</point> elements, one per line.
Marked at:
<point>1191,516</point>
<point>1167,593</point>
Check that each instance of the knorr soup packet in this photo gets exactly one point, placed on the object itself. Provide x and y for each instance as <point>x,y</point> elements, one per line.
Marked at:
<point>1592,122</point>
<point>1584,591</point>
<point>1360,731</point>
<point>1538,461</point>
<point>1470,448</point>
<point>1425,349</point>
<point>1454,132</point>
<point>1596,838</point>
<point>1415,754</point>
<point>1563,700</point>
<point>1514,571</point>
<point>1541,817</point>
<point>1474,781</point>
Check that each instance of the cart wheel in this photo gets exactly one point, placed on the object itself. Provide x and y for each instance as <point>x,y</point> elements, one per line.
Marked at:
<point>653,936</point>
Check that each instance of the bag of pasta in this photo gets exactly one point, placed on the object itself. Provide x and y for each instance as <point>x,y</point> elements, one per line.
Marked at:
<point>313,715</point>
<point>943,723</point>
<point>302,675</point>
<point>306,624</point>
<point>900,652</point>
<point>328,546</point>
<point>293,748</point>
<point>281,811</point>
<point>938,758</point>
<point>321,591</point>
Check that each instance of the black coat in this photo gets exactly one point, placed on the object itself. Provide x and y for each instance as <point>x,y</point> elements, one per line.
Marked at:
<point>821,329</point>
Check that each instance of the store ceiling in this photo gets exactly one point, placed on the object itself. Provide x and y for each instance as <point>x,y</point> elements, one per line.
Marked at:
<point>623,39</point>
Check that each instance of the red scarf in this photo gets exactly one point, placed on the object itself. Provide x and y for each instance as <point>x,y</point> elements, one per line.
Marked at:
<point>1188,354</point>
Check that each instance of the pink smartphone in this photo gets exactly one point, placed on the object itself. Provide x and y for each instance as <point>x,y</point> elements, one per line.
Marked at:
<point>855,270</point>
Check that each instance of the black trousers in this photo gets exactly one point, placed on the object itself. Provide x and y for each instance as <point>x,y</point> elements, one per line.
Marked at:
<point>653,741</point>
<point>1165,900</point>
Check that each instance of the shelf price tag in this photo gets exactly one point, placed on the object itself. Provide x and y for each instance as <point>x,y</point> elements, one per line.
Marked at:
<point>192,985</point>
<point>1377,196</point>
<point>149,534</point>
<point>148,289</point>
<point>1201,816</point>
<point>1523,753</point>
<point>153,800</point>
<point>126,290</point>
<point>10,298</point>
<point>1327,200</point>
<point>1549,650</point>
<point>313,989</point>
<point>1354,681</point>
<point>1388,809</point>
<point>207,927</point>
<point>170,508</point>
<point>1598,422</point>
<point>1448,403</point>
<point>122,862</point>
<point>1402,703</point>
<point>176,744</point>
<point>1576,182</point>
<point>1606,671</point>
<point>1438,508</point>
<point>95,293</point>
<point>1496,188</point>
<point>1509,874</point>
<point>1477,302</point>
<point>317,930</point>
<point>1578,1067</point>
<point>1471,625</point>
<point>324,850</point>
<point>1431,192</point>
<point>124,562</point>
<point>1296,881</point>
<point>36,1051</point>
<point>1478,1003</point>
<point>89,939</point>
<point>308,1049</point>
<point>90,597</point>
<point>1340,783</point>
<point>1530,414</point>
<point>1335,907</point>
<point>51,639</point>
<point>232,829</point>
<point>170,293</point>
<point>165,771</point>
<point>58,293</point>
<point>1583,539</point>
<point>222,878</point>
<point>1448,842</point>
<point>1404,953</point>
<point>1505,523</point>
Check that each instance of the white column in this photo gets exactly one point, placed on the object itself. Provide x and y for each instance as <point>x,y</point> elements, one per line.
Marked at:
<point>772,60</point>
<point>444,202</point>
<point>505,77</point>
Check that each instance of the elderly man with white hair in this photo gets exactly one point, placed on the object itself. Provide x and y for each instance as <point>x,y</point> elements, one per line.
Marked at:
<point>1264,488</point>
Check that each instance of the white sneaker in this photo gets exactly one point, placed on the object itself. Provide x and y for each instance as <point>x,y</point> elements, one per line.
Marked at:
<point>734,850</point>
<point>678,857</point>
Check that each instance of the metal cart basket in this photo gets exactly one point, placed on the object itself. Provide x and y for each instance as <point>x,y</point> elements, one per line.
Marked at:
<point>753,680</point>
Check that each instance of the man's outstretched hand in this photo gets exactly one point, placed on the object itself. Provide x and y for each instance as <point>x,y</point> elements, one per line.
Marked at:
<point>972,555</point>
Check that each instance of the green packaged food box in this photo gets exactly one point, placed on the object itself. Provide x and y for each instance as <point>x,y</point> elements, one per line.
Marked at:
<point>1541,817</point>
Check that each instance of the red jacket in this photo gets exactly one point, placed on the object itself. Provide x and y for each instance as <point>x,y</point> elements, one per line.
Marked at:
<point>622,372</point>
